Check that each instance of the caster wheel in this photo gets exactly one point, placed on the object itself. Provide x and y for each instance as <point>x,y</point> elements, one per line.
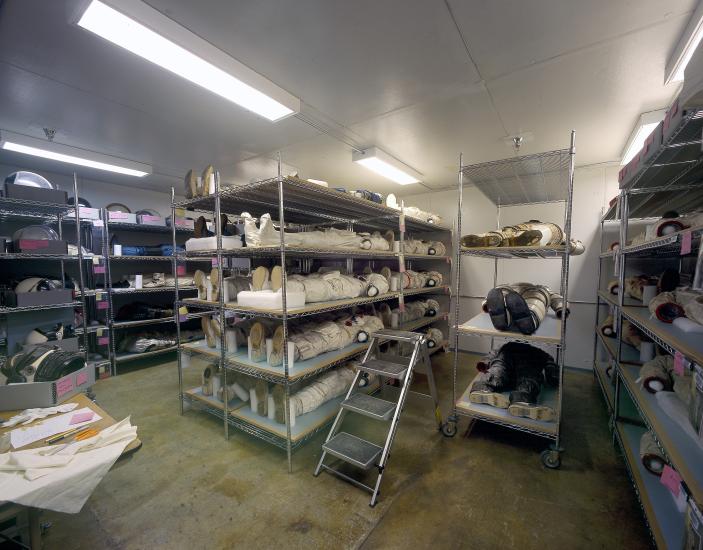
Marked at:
<point>449,429</point>
<point>551,459</point>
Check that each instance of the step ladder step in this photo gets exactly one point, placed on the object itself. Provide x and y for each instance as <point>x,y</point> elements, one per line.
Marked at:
<point>384,368</point>
<point>353,450</point>
<point>373,407</point>
<point>398,335</point>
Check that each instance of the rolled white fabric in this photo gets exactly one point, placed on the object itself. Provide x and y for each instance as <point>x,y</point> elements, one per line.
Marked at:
<point>117,250</point>
<point>240,392</point>
<point>646,351</point>
<point>139,281</point>
<point>686,325</point>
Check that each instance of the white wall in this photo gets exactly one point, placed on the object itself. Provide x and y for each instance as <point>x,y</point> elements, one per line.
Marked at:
<point>100,194</point>
<point>593,188</point>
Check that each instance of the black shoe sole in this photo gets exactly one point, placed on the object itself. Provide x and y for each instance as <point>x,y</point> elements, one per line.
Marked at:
<point>519,313</point>
<point>497,310</point>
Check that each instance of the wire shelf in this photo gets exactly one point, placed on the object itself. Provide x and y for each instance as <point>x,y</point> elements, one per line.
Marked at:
<point>142,322</point>
<point>666,246</point>
<point>299,252</point>
<point>151,290</point>
<point>20,208</point>
<point>4,310</point>
<point>306,203</point>
<point>543,177</point>
<point>143,228</point>
<point>124,357</point>
<point>114,258</point>
<point>516,252</point>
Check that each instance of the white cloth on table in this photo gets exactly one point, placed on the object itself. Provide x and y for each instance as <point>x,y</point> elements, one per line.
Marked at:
<point>62,477</point>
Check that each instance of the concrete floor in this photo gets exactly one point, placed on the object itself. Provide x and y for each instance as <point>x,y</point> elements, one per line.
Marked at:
<point>189,488</point>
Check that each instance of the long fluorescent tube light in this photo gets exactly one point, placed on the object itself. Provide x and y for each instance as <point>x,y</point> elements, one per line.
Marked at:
<point>387,166</point>
<point>70,155</point>
<point>148,33</point>
<point>645,125</point>
<point>685,48</point>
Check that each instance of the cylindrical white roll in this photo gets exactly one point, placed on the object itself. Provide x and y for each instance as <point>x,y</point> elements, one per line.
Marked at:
<point>686,325</point>
<point>646,351</point>
<point>139,281</point>
<point>211,185</point>
<point>225,291</point>
<point>185,360</point>
<point>394,284</point>
<point>396,246</point>
<point>648,293</point>
<point>208,287</point>
<point>231,339</point>
<point>291,355</point>
<point>240,392</point>
<point>249,347</point>
<point>254,402</point>
<point>394,320</point>
<point>269,348</point>
<point>292,414</point>
<point>216,384</point>
<point>271,408</point>
<point>117,250</point>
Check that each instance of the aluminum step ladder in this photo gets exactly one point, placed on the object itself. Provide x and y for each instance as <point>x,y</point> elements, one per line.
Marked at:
<point>357,451</point>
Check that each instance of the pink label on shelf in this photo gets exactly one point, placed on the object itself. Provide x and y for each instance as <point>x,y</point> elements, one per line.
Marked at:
<point>81,378</point>
<point>81,417</point>
<point>104,341</point>
<point>180,270</point>
<point>102,305</point>
<point>686,239</point>
<point>182,318</point>
<point>33,244</point>
<point>99,269</point>
<point>678,363</point>
<point>64,386</point>
<point>118,215</point>
<point>148,218</point>
<point>98,223</point>
<point>671,480</point>
<point>214,262</point>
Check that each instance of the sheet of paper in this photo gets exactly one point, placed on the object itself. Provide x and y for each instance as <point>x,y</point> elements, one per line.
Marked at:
<point>51,426</point>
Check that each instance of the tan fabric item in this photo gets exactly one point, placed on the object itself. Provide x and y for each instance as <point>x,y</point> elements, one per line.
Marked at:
<point>656,374</point>
<point>607,327</point>
<point>651,456</point>
<point>631,335</point>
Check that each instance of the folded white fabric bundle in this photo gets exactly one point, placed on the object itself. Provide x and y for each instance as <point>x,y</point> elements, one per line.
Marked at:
<point>62,477</point>
<point>30,415</point>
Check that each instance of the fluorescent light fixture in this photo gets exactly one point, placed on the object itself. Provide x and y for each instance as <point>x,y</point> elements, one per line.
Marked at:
<point>387,166</point>
<point>685,48</point>
<point>645,125</point>
<point>71,155</point>
<point>318,182</point>
<point>148,33</point>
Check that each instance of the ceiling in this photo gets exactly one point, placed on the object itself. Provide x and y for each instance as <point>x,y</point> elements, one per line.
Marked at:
<point>422,80</point>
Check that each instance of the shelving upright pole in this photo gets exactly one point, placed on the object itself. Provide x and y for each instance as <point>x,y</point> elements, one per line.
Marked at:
<point>565,285</point>
<point>457,287</point>
<point>176,313</point>
<point>81,278</point>
<point>284,307</point>
<point>221,300</point>
<point>110,318</point>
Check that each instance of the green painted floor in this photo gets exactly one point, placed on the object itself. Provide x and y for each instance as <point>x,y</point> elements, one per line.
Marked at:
<point>189,488</point>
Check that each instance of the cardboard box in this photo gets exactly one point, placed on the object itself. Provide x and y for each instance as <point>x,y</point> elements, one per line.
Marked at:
<point>39,194</point>
<point>45,394</point>
<point>182,223</point>
<point>146,219</point>
<point>86,213</point>
<point>122,217</point>
<point>41,246</point>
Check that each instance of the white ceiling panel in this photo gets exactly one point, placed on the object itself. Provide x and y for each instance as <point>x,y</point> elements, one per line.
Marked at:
<point>599,92</point>
<point>507,35</point>
<point>351,60</point>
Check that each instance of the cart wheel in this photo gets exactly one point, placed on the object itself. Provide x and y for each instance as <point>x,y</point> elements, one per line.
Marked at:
<point>449,429</point>
<point>551,459</point>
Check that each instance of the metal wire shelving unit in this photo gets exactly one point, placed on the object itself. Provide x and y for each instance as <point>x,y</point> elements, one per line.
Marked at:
<point>539,178</point>
<point>154,263</point>
<point>294,203</point>
<point>13,210</point>
<point>669,180</point>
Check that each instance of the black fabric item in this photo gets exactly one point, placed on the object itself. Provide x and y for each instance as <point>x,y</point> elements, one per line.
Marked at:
<point>669,280</point>
<point>495,302</point>
<point>520,314</point>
